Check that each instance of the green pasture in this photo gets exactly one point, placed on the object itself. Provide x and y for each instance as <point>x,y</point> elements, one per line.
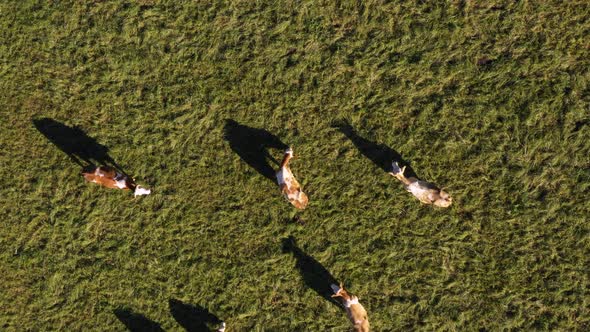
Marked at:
<point>488,99</point>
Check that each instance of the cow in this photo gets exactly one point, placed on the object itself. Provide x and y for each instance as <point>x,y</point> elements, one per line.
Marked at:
<point>108,176</point>
<point>289,185</point>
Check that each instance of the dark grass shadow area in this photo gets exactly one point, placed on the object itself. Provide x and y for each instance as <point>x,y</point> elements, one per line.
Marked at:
<point>73,141</point>
<point>380,154</point>
<point>252,145</point>
<point>137,322</point>
<point>193,318</point>
<point>313,273</point>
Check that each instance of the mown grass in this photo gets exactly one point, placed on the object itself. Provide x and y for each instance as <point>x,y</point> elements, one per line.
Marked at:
<point>490,100</point>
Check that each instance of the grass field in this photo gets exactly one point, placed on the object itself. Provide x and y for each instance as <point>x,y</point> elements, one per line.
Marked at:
<point>489,99</point>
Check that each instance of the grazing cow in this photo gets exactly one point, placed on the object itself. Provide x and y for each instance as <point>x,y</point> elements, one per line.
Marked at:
<point>221,327</point>
<point>356,312</point>
<point>289,186</point>
<point>107,176</point>
<point>426,192</point>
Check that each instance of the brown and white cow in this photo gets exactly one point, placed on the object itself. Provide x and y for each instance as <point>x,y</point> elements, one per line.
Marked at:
<point>356,312</point>
<point>426,192</point>
<point>289,185</point>
<point>107,176</point>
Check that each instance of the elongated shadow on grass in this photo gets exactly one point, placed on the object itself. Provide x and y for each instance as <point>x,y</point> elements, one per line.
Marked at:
<point>314,274</point>
<point>380,154</point>
<point>193,318</point>
<point>73,141</point>
<point>137,322</point>
<point>252,145</point>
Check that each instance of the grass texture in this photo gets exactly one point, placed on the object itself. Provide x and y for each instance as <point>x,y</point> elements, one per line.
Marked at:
<point>487,99</point>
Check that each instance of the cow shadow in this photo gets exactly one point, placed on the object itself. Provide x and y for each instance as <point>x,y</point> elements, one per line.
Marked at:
<point>193,318</point>
<point>252,145</point>
<point>137,322</point>
<point>314,274</point>
<point>380,154</point>
<point>73,141</point>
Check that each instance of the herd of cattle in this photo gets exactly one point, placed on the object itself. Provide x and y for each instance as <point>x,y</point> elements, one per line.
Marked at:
<point>85,151</point>
<point>426,192</point>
